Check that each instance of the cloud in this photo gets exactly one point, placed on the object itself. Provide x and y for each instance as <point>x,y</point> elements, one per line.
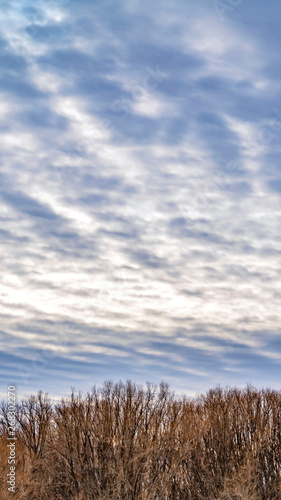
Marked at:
<point>140,194</point>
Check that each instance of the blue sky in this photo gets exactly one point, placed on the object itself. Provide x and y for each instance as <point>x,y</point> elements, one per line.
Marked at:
<point>140,193</point>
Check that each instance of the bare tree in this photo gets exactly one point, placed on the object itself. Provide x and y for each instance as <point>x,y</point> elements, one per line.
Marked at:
<point>127,442</point>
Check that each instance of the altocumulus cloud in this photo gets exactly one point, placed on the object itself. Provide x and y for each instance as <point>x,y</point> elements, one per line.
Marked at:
<point>140,193</point>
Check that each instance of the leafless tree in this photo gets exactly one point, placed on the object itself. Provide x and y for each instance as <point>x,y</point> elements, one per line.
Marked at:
<point>127,442</point>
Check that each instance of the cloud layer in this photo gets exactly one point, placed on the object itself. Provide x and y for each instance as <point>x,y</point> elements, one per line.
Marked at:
<point>140,193</point>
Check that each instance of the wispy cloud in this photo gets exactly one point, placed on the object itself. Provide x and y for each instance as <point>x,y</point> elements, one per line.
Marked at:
<point>140,193</point>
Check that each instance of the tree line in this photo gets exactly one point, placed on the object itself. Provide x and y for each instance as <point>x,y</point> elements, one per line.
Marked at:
<point>123,441</point>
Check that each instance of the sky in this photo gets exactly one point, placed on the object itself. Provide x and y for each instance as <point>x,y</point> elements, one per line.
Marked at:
<point>140,193</point>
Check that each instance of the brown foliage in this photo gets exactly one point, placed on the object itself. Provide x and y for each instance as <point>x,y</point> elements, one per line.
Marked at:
<point>124,442</point>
